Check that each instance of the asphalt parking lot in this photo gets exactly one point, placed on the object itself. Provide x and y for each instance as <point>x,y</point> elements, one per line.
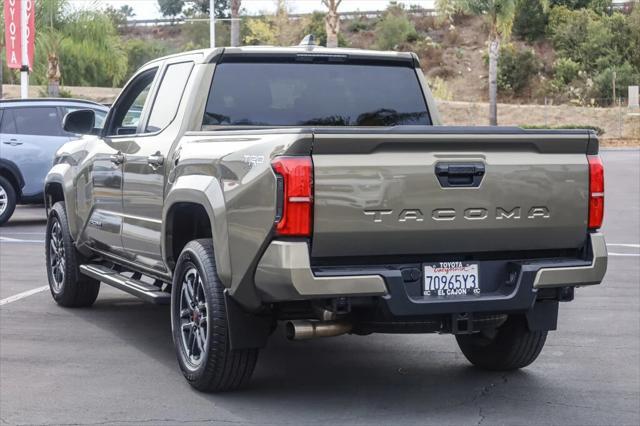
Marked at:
<point>114,363</point>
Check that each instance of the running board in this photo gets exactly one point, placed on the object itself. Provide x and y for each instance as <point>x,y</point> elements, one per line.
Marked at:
<point>146,292</point>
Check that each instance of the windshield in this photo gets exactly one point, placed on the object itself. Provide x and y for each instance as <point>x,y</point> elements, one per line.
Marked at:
<point>303,94</point>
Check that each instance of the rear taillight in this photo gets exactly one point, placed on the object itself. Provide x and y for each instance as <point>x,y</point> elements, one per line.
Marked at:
<point>295,180</point>
<point>596,191</point>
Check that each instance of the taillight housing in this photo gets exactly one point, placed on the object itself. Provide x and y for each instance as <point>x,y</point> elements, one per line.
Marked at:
<point>295,192</point>
<point>596,191</point>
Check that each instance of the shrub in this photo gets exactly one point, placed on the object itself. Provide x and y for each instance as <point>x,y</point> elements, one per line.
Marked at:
<point>516,68</point>
<point>258,31</point>
<point>565,71</point>
<point>440,89</point>
<point>530,22</point>
<point>359,24</point>
<point>394,28</point>
<point>626,75</point>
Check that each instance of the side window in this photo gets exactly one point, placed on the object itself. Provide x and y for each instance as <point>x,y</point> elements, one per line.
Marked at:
<point>127,110</point>
<point>42,121</point>
<point>8,124</point>
<point>165,105</point>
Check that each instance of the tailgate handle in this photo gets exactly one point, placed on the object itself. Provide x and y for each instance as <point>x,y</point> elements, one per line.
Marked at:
<point>460,175</point>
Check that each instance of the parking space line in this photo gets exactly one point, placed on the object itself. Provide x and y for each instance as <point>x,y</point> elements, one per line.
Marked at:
<point>18,240</point>
<point>23,295</point>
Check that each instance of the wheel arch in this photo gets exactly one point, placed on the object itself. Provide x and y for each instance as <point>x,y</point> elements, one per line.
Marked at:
<point>193,203</point>
<point>11,172</point>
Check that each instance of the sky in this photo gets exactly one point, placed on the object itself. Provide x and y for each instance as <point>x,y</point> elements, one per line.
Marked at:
<point>148,9</point>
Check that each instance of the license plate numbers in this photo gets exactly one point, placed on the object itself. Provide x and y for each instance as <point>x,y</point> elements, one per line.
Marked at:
<point>451,279</point>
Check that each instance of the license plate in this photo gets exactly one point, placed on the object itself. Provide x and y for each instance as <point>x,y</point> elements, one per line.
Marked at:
<point>451,279</point>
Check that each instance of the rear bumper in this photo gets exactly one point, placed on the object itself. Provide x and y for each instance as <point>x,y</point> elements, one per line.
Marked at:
<point>285,274</point>
<point>591,274</point>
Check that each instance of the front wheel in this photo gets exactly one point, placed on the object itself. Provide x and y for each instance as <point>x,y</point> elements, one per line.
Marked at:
<point>68,286</point>
<point>509,347</point>
<point>199,324</point>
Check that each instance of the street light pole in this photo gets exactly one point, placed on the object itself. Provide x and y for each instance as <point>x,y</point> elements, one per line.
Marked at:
<point>24,69</point>
<point>212,23</point>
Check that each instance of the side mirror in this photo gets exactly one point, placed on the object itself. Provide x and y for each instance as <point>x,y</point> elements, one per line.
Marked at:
<point>81,121</point>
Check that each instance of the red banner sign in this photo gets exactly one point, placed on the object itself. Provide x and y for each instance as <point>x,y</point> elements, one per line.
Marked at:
<point>13,33</point>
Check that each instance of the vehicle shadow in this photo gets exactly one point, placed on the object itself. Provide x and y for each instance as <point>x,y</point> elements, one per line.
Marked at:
<point>333,378</point>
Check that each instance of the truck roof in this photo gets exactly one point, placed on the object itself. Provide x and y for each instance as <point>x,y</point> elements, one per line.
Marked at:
<point>209,55</point>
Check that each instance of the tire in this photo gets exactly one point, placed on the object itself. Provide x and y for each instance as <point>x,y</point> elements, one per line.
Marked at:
<point>8,200</point>
<point>200,329</point>
<point>68,286</point>
<point>509,347</point>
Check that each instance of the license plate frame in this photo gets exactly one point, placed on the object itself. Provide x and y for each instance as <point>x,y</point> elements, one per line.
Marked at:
<point>450,279</point>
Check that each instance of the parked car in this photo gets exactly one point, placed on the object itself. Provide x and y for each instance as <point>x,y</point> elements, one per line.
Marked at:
<point>30,134</point>
<point>317,187</point>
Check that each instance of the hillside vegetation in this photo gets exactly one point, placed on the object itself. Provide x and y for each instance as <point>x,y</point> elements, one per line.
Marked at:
<point>566,51</point>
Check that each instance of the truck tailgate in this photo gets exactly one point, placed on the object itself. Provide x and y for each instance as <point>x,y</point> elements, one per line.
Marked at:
<point>448,190</point>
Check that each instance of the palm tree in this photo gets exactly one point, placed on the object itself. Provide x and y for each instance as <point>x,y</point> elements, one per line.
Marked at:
<point>332,22</point>
<point>500,15</point>
<point>235,22</point>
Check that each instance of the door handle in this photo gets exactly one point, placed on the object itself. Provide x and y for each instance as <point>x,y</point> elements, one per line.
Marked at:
<point>12,142</point>
<point>155,160</point>
<point>460,174</point>
<point>117,158</point>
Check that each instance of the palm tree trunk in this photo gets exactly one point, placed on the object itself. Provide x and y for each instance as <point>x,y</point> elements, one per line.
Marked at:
<point>235,23</point>
<point>494,53</point>
<point>332,22</point>
<point>1,69</point>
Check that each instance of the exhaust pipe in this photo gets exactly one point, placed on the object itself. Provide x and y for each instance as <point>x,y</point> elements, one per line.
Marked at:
<point>305,329</point>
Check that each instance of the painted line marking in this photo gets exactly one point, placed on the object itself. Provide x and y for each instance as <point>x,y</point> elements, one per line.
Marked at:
<point>23,295</point>
<point>19,240</point>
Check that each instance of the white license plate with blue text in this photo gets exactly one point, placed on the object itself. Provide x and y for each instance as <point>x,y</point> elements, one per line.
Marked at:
<point>451,279</point>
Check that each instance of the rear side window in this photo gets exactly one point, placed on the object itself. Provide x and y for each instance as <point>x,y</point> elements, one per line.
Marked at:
<point>320,94</point>
<point>169,94</point>
<point>8,124</point>
<point>42,121</point>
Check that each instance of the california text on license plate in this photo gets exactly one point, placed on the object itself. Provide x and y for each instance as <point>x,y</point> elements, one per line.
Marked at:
<point>451,279</point>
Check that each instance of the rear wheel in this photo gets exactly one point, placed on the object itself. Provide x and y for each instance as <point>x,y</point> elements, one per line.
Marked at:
<point>8,200</point>
<point>508,347</point>
<point>68,286</point>
<point>199,324</point>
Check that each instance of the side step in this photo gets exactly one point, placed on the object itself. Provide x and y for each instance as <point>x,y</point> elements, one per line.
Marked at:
<point>146,292</point>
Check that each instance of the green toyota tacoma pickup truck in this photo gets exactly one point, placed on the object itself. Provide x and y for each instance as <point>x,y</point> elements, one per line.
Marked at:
<point>314,186</point>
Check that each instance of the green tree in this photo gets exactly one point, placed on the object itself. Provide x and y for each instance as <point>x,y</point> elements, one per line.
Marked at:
<point>599,6</point>
<point>91,51</point>
<point>171,8</point>
<point>500,15</point>
<point>258,31</point>
<point>394,28</point>
<point>139,52</point>
<point>531,19</point>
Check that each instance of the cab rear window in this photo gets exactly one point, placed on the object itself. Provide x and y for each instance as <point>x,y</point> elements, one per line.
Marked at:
<point>314,94</point>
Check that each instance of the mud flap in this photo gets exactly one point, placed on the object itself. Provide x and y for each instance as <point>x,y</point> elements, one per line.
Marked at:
<point>543,316</point>
<point>246,330</point>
